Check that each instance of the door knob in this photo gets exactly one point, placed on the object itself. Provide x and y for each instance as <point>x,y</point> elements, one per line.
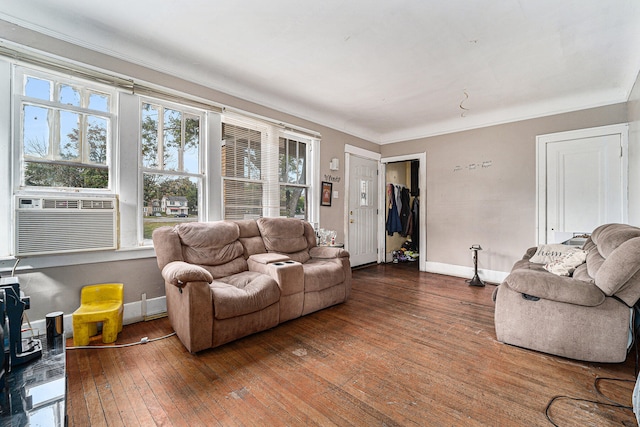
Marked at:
<point>351,221</point>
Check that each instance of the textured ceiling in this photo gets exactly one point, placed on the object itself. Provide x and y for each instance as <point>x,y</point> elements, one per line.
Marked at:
<point>385,71</point>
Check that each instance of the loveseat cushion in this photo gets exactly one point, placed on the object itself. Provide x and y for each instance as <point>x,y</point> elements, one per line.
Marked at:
<point>548,286</point>
<point>250,237</point>
<point>285,235</point>
<point>243,293</point>
<point>321,274</point>
<point>213,245</point>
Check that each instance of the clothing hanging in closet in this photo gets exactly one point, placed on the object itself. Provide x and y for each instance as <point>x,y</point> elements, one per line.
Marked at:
<point>415,220</point>
<point>399,212</point>
<point>394,225</point>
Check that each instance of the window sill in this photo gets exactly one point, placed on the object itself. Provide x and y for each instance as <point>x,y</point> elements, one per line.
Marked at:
<point>62,260</point>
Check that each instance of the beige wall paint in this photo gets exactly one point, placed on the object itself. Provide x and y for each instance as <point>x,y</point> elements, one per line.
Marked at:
<point>481,186</point>
<point>53,289</point>
<point>493,206</point>
<point>58,288</point>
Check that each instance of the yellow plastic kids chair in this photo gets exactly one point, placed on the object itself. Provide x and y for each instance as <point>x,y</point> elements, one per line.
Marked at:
<point>98,303</point>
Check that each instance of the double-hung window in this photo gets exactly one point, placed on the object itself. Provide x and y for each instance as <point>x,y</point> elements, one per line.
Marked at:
<point>65,132</point>
<point>246,162</point>
<point>172,172</point>
<point>265,172</point>
<point>292,174</point>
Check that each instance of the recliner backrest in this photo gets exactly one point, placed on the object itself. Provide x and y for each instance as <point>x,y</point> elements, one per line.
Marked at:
<point>215,246</point>
<point>614,260</point>
<point>250,237</point>
<point>286,236</point>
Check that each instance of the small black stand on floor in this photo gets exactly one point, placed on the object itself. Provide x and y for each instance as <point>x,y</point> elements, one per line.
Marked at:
<point>475,280</point>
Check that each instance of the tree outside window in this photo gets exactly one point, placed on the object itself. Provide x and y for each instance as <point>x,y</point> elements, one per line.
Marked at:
<point>170,152</point>
<point>65,133</point>
<point>293,178</point>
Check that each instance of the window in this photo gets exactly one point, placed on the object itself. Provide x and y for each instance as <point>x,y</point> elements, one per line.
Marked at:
<point>242,172</point>
<point>65,132</point>
<point>73,134</point>
<point>171,166</point>
<point>264,175</point>
<point>293,177</point>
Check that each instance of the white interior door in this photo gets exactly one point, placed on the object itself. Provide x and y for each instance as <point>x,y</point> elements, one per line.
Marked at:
<point>585,182</point>
<point>363,210</point>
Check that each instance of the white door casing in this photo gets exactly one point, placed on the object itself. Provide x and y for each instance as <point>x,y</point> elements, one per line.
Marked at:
<point>582,181</point>
<point>422,185</point>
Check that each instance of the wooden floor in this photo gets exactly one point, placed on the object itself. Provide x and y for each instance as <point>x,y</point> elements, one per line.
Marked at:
<point>408,349</point>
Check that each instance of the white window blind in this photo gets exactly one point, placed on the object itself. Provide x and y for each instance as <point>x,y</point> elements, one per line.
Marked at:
<point>249,171</point>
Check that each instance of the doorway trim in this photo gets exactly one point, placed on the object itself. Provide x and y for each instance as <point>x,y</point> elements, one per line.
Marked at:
<point>351,150</point>
<point>422,184</point>
<point>621,129</point>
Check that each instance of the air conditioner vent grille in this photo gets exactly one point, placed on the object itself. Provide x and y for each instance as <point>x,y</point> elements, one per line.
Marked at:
<point>66,225</point>
<point>60,203</point>
<point>97,204</point>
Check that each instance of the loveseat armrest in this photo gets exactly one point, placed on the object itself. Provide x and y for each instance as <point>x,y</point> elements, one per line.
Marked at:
<point>179,272</point>
<point>545,285</point>
<point>287,273</point>
<point>327,252</point>
<point>267,258</point>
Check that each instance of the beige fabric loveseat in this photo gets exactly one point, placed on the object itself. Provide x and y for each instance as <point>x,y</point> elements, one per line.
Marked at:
<point>586,316</point>
<point>227,279</point>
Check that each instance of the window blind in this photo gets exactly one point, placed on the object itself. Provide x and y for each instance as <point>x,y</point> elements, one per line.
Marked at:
<point>249,171</point>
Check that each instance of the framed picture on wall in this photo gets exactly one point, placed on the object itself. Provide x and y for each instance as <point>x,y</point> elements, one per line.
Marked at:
<point>325,194</point>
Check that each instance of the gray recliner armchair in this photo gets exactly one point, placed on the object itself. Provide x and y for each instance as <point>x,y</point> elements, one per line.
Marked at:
<point>585,316</point>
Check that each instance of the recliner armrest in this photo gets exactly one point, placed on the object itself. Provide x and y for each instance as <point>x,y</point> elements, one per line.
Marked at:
<point>288,274</point>
<point>268,258</point>
<point>180,272</point>
<point>545,285</point>
<point>327,252</point>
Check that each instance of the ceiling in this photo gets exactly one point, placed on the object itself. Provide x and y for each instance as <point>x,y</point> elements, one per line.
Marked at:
<point>385,71</point>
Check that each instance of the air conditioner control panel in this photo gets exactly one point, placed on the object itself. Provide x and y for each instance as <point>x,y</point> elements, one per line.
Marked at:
<point>29,203</point>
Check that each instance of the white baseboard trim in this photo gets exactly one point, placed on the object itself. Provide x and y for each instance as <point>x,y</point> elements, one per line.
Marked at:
<point>491,276</point>
<point>132,314</point>
<point>133,311</point>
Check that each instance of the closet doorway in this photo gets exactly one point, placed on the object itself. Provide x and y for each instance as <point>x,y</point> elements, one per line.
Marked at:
<point>404,212</point>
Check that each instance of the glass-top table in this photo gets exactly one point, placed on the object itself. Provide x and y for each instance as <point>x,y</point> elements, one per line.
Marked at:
<point>36,390</point>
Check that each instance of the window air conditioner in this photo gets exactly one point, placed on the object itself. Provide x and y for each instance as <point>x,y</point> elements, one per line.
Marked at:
<point>53,225</point>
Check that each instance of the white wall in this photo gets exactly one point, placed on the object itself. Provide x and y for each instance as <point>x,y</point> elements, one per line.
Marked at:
<point>634,154</point>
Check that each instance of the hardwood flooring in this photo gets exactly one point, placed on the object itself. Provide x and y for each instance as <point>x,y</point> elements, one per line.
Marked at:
<point>407,349</point>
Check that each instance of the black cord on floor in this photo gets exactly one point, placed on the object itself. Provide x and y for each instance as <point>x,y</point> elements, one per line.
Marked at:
<point>595,386</point>
<point>613,404</point>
